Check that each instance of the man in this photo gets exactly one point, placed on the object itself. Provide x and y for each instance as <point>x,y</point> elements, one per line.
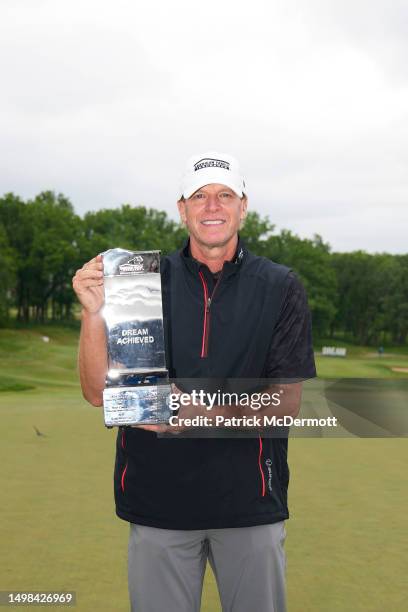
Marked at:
<point>228,315</point>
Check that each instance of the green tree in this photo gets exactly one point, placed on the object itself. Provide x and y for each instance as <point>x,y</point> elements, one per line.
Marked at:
<point>367,297</point>
<point>255,232</point>
<point>394,300</point>
<point>19,238</point>
<point>310,260</point>
<point>8,258</point>
<point>134,228</point>
<point>53,255</point>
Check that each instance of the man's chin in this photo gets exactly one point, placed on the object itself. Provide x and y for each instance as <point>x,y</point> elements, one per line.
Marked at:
<point>214,243</point>
<point>213,240</point>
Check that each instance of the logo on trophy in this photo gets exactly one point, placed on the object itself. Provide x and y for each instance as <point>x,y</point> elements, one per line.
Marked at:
<point>137,385</point>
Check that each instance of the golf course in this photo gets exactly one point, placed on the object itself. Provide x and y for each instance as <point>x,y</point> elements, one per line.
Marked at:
<point>347,545</point>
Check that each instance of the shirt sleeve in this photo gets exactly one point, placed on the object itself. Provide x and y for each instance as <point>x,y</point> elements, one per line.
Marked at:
<point>290,353</point>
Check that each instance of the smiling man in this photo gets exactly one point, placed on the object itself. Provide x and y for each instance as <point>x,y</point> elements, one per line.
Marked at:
<point>228,314</point>
<point>213,212</point>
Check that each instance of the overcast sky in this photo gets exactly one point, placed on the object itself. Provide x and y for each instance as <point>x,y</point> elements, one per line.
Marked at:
<point>104,102</point>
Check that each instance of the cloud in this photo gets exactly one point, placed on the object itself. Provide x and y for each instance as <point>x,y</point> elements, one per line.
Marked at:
<point>105,101</point>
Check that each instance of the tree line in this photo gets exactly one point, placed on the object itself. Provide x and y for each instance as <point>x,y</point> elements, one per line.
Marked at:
<point>43,242</point>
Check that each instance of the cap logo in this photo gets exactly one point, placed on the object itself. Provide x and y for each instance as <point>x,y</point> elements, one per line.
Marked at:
<point>211,163</point>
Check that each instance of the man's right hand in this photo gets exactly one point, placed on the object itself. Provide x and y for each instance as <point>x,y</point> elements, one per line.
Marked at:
<point>88,285</point>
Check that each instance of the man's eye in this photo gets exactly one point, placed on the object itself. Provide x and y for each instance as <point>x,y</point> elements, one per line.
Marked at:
<point>198,196</point>
<point>226,195</point>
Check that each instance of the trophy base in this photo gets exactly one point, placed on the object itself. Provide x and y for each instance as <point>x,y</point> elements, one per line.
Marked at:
<point>143,405</point>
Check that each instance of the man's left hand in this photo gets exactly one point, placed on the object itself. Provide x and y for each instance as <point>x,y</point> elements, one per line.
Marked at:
<point>185,412</point>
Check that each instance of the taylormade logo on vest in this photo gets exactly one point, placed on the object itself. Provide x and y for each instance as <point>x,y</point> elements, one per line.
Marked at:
<point>268,464</point>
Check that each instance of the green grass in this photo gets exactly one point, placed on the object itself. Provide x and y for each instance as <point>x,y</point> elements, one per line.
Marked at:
<point>10,384</point>
<point>362,363</point>
<point>346,545</point>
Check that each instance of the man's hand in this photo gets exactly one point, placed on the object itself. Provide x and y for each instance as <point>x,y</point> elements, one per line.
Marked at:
<point>185,412</point>
<point>92,357</point>
<point>289,405</point>
<point>88,285</point>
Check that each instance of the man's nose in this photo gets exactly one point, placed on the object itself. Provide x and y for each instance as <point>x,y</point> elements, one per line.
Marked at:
<point>212,203</point>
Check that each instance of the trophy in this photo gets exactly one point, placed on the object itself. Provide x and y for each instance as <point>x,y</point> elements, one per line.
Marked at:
<point>137,387</point>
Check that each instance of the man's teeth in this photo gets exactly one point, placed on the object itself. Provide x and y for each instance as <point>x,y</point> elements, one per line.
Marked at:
<point>215,222</point>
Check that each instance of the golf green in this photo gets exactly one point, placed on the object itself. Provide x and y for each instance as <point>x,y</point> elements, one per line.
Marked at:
<point>346,546</point>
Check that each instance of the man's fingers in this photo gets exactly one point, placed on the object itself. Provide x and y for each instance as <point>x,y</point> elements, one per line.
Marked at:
<point>89,263</point>
<point>84,279</point>
<point>81,287</point>
<point>92,265</point>
<point>175,390</point>
<point>87,285</point>
<point>88,273</point>
<point>161,428</point>
<point>95,262</point>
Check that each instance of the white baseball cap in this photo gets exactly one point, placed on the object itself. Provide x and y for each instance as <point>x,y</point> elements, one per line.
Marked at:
<point>212,167</point>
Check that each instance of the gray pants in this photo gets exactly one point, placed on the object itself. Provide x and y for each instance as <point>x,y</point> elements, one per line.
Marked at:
<point>166,568</point>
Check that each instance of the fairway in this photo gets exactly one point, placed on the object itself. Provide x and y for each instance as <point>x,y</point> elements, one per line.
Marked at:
<point>346,546</point>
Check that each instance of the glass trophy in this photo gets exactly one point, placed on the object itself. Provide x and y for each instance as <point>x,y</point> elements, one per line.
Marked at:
<point>137,386</point>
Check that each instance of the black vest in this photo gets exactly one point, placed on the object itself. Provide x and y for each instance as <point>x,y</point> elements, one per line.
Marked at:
<point>214,333</point>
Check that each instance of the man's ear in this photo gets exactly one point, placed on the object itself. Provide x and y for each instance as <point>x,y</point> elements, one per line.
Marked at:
<point>181,205</point>
<point>244,201</point>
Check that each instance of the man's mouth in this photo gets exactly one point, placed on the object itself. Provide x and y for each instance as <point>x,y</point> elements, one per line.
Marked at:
<point>213,222</point>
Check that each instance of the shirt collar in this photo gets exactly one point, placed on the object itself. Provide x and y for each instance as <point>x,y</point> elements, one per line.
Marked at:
<point>229,267</point>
